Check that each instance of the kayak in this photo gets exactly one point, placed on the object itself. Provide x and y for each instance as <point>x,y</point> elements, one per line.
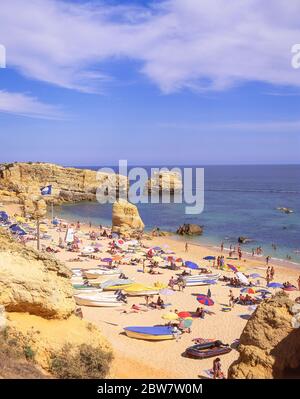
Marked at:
<point>206,350</point>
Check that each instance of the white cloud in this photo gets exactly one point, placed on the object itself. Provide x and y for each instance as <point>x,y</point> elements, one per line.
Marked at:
<point>24,105</point>
<point>195,44</point>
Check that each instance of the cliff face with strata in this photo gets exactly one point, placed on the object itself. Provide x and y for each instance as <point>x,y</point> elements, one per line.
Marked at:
<point>37,295</point>
<point>18,181</point>
<point>269,345</point>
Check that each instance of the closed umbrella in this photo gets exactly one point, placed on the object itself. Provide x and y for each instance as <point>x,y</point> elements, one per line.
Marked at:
<point>233,268</point>
<point>205,300</point>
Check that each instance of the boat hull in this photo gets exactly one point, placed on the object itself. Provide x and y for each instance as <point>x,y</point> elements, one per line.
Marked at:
<point>147,337</point>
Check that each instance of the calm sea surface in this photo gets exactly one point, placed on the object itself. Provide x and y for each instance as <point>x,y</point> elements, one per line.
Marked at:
<point>239,201</point>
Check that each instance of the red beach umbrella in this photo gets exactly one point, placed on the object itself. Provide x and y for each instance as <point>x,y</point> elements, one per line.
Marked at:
<point>184,315</point>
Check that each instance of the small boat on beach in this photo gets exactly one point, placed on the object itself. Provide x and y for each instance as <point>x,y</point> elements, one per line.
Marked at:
<point>208,349</point>
<point>205,279</point>
<point>156,333</point>
<point>114,285</point>
<point>98,300</point>
<point>96,273</point>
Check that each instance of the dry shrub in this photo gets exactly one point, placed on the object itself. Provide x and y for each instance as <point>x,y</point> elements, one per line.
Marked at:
<point>84,362</point>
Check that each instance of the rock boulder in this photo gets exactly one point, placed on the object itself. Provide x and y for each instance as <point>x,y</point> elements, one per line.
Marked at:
<point>190,229</point>
<point>126,218</point>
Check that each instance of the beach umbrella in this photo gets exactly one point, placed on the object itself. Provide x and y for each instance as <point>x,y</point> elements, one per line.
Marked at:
<point>184,315</point>
<point>275,285</point>
<point>107,260</point>
<point>209,258</point>
<point>157,248</point>
<point>170,316</point>
<point>166,292</point>
<point>4,216</point>
<point>117,257</point>
<point>233,268</point>
<point>20,219</point>
<point>255,275</point>
<point>262,290</point>
<point>170,259</point>
<point>187,323</point>
<point>248,290</point>
<point>205,300</point>
<point>179,260</point>
<point>191,265</point>
<point>243,279</point>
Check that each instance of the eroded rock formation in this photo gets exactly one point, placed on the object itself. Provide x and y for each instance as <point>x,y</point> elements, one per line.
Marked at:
<point>269,345</point>
<point>126,218</point>
<point>170,181</point>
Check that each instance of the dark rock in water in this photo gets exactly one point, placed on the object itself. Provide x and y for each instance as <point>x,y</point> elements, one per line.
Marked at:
<point>243,240</point>
<point>190,229</point>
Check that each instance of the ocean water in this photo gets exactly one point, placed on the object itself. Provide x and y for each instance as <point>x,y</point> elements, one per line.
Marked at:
<point>239,201</point>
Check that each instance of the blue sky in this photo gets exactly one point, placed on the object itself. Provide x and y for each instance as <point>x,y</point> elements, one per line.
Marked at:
<point>162,82</point>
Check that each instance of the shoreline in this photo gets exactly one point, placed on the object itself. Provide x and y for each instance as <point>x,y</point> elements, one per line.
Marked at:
<point>144,359</point>
<point>281,262</point>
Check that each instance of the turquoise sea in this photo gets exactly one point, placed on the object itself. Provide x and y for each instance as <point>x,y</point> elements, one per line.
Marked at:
<point>239,201</point>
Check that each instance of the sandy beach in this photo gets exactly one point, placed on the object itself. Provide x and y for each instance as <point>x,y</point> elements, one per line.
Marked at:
<point>144,359</point>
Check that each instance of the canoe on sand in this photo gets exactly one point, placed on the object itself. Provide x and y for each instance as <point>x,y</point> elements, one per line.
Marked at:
<point>150,333</point>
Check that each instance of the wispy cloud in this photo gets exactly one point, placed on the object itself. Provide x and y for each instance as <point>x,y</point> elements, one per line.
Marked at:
<point>24,105</point>
<point>194,44</point>
<point>272,126</point>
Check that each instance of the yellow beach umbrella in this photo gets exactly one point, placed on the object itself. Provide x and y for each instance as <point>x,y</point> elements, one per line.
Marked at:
<point>160,285</point>
<point>157,259</point>
<point>20,219</point>
<point>170,316</point>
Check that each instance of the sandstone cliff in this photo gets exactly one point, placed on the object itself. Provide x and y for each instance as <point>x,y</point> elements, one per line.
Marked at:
<point>269,345</point>
<point>37,294</point>
<point>126,218</point>
<point>19,181</point>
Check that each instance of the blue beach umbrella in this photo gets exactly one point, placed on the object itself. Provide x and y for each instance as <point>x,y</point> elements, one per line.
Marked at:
<point>262,290</point>
<point>107,260</point>
<point>209,258</point>
<point>191,265</point>
<point>275,285</point>
<point>157,249</point>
